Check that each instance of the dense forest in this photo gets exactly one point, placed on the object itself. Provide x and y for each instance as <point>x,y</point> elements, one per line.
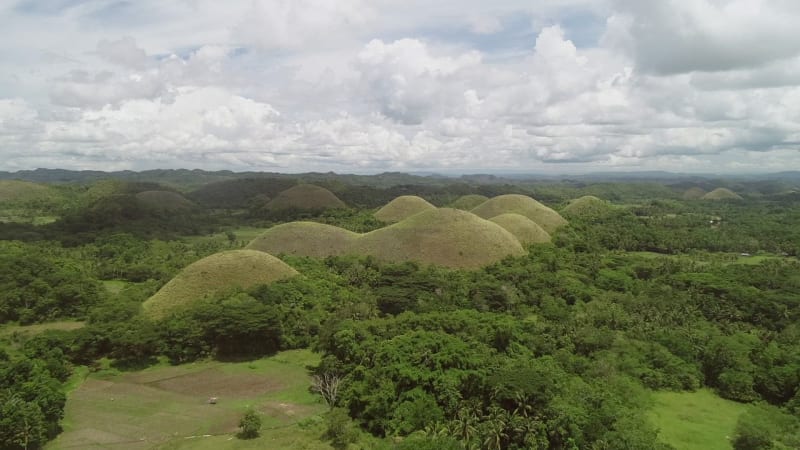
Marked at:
<point>560,348</point>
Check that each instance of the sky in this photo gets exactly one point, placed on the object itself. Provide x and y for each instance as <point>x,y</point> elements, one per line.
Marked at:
<point>362,86</point>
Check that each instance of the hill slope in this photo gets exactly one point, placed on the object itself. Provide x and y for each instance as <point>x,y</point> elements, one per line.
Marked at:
<point>586,206</point>
<point>164,200</point>
<point>693,193</point>
<point>23,191</point>
<point>402,208</point>
<point>547,218</point>
<point>215,275</point>
<point>722,194</point>
<point>305,197</point>
<point>525,230</point>
<point>468,202</point>
<point>305,239</point>
<point>446,237</point>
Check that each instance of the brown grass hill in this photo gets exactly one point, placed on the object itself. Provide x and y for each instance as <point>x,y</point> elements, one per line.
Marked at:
<point>446,237</point>
<point>305,239</point>
<point>164,200</point>
<point>722,194</point>
<point>523,205</point>
<point>694,193</point>
<point>25,191</point>
<point>402,208</point>
<point>305,197</point>
<point>525,230</point>
<point>468,202</point>
<point>215,275</point>
<point>586,206</point>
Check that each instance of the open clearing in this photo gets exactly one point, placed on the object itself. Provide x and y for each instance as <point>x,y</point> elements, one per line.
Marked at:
<point>166,406</point>
<point>695,420</point>
<point>31,330</point>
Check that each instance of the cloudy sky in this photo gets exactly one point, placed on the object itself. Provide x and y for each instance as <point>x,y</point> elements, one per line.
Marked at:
<point>558,86</point>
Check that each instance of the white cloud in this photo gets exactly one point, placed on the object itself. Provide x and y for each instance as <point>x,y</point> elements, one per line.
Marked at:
<point>315,84</point>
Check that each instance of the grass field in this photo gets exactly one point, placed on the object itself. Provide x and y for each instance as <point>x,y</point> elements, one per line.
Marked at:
<point>695,420</point>
<point>31,330</point>
<point>166,406</point>
<point>305,239</point>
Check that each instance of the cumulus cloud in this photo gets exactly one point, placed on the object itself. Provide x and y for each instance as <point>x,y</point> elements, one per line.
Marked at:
<point>356,85</point>
<point>678,36</point>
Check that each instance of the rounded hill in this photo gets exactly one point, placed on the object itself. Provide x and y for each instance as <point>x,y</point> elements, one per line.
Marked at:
<point>305,239</point>
<point>586,206</point>
<point>468,202</point>
<point>525,230</point>
<point>164,200</point>
<point>305,197</point>
<point>693,193</point>
<point>23,191</point>
<point>523,205</point>
<point>445,236</point>
<point>722,194</point>
<point>402,208</point>
<point>214,275</point>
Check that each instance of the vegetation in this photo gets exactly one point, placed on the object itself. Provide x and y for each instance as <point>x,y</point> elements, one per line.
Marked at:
<point>660,322</point>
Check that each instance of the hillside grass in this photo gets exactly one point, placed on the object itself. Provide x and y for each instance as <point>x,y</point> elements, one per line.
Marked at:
<point>305,239</point>
<point>525,230</point>
<point>166,406</point>
<point>546,217</point>
<point>586,206</point>
<point>468,202</point>
<point>721,194</point>
<point>215,275</point>
<point>164,200</point>
<point>305,197</point>
<point>25,191</point>
<point>693,193</point>
<point>698,420</point>
<point>446,237</point>
<point>402,208</point>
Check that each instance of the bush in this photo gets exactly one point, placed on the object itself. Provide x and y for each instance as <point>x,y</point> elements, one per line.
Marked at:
<point>340,429</point>
<point>250,425</point>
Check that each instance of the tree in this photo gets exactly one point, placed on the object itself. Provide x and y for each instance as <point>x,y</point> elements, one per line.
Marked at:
<point>327,385</point>
<point>250,425</point>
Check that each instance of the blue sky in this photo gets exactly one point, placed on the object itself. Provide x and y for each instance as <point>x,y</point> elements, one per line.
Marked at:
<point>372,85</point>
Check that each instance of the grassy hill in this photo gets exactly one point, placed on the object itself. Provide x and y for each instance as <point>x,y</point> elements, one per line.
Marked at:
<point>402,208</point>
<point>164,200</point>
<point>468,202</point>
<point>525,230</point>
<point>722,194</point>
<point>446,237</point>
<point>305,239</point>
<point>547,218</point>
<point>305,197</point>
<point>214,275</point>
<point>238,193</point>
<point>693,193</point>
<point>24,191</point>
<point>586,206</point>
